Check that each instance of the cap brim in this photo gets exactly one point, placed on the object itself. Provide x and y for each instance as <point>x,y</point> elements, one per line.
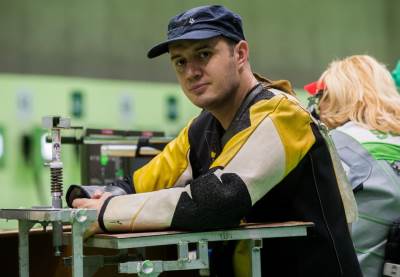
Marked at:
<point>162,47</point>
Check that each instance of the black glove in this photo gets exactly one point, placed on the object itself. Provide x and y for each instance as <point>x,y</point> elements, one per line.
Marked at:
<point>87,191</point>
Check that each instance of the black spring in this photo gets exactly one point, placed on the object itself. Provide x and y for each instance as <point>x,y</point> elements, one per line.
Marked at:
<point>56,179</point>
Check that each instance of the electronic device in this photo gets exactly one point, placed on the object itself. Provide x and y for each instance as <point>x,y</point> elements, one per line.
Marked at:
<point>108,155</point>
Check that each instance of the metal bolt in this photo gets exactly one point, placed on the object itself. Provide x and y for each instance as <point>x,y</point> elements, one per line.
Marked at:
<point>79,215</point>
<point>146,267</point>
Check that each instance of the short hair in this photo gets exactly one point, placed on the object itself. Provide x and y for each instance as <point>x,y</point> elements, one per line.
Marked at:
<point>231,44</point>
<point>360,89</point>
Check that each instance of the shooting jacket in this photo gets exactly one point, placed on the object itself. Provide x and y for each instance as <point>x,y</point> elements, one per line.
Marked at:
<point>270,165</point>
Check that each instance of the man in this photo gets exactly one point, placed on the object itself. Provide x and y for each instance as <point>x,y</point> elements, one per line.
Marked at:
<point>253,154</point>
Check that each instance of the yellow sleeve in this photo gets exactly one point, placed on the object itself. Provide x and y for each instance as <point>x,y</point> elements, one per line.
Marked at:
<point>169,168</point>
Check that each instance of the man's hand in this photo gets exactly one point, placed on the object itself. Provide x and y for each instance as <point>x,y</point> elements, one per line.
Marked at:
<point>98,193</point>
<point>96,202</point>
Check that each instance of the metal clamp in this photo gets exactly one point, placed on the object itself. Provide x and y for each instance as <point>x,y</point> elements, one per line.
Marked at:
<point>149,268</point>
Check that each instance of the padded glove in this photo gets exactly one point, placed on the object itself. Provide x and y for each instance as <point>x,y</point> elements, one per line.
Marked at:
<point>87,191</point>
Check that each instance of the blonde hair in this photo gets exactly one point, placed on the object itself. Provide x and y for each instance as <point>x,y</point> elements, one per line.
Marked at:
<point>360,89</point>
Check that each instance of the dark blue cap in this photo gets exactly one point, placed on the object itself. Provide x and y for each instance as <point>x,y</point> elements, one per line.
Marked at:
<point>201,23</point>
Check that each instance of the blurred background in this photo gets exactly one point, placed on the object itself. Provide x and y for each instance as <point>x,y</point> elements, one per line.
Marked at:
<point>109,38</point>
<point>86,60</point>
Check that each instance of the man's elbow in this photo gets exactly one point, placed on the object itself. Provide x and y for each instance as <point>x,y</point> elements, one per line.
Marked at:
<point>214,204</point>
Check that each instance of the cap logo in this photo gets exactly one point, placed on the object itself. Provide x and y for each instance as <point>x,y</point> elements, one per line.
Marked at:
<point>191,20</point>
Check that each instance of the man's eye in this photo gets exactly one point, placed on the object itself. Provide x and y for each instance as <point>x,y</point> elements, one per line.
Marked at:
<point>204,55</point>
<point>179,63</point>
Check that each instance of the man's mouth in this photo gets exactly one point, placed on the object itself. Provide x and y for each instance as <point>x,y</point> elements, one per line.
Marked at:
<point>198,88</point>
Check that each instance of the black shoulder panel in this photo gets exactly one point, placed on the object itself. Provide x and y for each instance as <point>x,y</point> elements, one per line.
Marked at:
<point>214,204</point>
<point>241,119</point>
<point>204,137</point>
<point>264,94</point>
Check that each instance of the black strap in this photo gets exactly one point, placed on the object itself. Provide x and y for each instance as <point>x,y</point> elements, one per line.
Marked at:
<point>142,141</point>
<point>231,131</point>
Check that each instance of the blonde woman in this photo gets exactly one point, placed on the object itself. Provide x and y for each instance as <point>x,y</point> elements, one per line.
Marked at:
<point>357,99</point>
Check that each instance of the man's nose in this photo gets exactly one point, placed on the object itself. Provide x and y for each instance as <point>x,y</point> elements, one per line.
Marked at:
<point>193,70</point>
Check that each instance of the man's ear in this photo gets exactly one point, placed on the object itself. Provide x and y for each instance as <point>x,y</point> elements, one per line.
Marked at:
<point>242,52</point>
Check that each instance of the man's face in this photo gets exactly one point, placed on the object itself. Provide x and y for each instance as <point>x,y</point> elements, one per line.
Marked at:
<point>207,71</point>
